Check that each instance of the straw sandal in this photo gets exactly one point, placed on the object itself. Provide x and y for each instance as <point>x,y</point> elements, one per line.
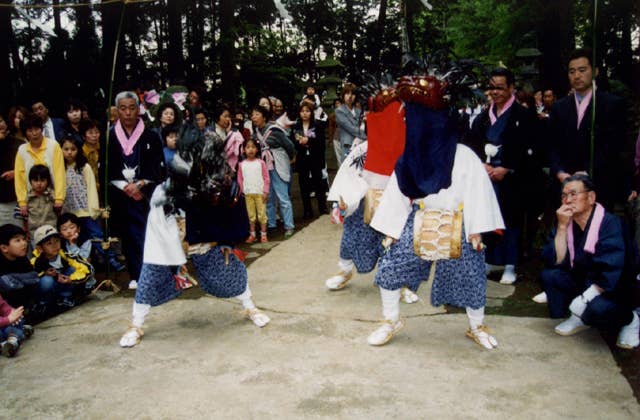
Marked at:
<point>482,336</point>
<point>259,318</point>
<point>339,281</point>
<point>131,337</point>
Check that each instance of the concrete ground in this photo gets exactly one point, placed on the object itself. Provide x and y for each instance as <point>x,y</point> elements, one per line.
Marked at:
<point>201,359</point>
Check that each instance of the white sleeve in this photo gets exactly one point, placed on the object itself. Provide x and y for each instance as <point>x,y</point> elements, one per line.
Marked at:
<point>349,185</point>
<point>481,208</point>
<point>393,210</point>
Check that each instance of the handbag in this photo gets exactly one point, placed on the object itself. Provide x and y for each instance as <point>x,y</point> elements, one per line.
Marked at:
<point>437,234</point>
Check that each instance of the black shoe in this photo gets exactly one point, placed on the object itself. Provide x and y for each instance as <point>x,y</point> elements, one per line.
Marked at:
<point>10,348</point>
<point>28,331</point>
<point>116,265</point>
<point>66,303</point>
<point>39,309</point>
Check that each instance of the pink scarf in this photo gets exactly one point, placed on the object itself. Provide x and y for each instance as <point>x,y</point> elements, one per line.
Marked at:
<point>128,143</point>
<point>592,235</point>
<point>504,109</point>
<point>233,147</point>
<point>267,156</point>
<point>582,106</point>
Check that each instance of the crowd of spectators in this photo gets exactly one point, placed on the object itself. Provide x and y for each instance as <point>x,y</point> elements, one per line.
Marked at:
<point>537,150</point>
<point>54,172</point>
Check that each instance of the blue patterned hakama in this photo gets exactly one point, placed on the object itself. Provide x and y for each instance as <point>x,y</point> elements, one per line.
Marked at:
<point>459,282</point>
<point>360,243</point>
<point>156,285</point>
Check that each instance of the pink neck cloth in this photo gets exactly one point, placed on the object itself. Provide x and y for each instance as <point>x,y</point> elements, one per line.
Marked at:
<point>582,106</point>
<point>592,235</point>
<point>504,109</point>
<point>128,143</point>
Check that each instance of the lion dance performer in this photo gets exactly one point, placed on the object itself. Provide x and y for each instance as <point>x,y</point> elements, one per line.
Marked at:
<point>358,186</point>
<point>437,203</point>
<point>203,184</point>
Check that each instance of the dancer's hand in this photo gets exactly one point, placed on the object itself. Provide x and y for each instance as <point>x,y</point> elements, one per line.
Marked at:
<point>476,241</point>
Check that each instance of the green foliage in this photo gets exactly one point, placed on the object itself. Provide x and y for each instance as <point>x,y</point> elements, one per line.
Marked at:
<point>260,53</point>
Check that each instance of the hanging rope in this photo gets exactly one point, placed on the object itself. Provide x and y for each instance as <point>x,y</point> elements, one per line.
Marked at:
<point>107,238</point>
<point>73,5</point>
<point>593,91</point>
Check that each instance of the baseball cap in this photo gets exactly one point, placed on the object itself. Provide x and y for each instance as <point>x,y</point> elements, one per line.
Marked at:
<point>43,233</point>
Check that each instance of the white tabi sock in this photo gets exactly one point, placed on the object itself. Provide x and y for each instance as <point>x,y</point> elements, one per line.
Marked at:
<point>390,304</point>
<point>245,299</point>
<point>345,265</point>
<point>140,311</point>
<point>476,317</point>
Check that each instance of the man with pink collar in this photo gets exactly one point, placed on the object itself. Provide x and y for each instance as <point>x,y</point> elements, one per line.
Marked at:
<point>502,136</point>
<point>570,125</point>
<point>136,166</point>
<point>588,267</point>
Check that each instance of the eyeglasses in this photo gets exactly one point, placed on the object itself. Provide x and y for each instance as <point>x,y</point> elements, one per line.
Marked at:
<point>572,194</point>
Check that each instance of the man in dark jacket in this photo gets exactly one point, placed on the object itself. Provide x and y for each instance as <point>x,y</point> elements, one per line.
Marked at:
<point>501,136</point>
<point>136,166</point>
<point>570,131</point>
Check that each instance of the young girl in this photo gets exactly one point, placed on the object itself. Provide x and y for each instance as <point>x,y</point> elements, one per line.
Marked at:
<point>82,194</point>
<point>90,131</point>
<point>170,140</point>
<point>40,200</point>
<point>253,179</point>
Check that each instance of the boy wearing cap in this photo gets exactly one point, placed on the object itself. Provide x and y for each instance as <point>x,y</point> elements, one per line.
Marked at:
<point>58,272</point>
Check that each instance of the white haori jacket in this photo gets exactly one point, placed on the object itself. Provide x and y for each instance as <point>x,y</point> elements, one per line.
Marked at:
<point>470,186</point>
<point>162,243</point>
<point>351,182</point>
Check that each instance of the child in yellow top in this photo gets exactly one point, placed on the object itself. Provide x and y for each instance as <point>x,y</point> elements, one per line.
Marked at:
<point>43,151</point>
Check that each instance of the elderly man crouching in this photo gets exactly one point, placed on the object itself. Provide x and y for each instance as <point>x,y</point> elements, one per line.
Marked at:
<point>586,267</point>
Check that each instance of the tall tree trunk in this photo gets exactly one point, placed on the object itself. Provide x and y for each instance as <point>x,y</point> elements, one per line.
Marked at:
<point>227,55</point>
<point>555,42</point>
<point>175,56</point>
<point>348,30</point>
<point>196,44</point>
<point>57,26</point>
<point>6,34</point>
<point>110,21</point>
<point>625,53</point>
<point>379,41</point>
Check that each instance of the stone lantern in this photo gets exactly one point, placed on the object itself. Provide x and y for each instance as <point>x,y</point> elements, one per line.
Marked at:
<point>330,67</point>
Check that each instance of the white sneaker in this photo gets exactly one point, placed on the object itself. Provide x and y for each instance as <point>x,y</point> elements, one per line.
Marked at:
<point>133,284</point>
<point>509,275</point>
<point>570,326</point>
<point>408,296</point>
<point>339,281</point>
<point>628,337</point>
<point>490,268</point>
<point>540,298</point>
<point>385,332</point>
